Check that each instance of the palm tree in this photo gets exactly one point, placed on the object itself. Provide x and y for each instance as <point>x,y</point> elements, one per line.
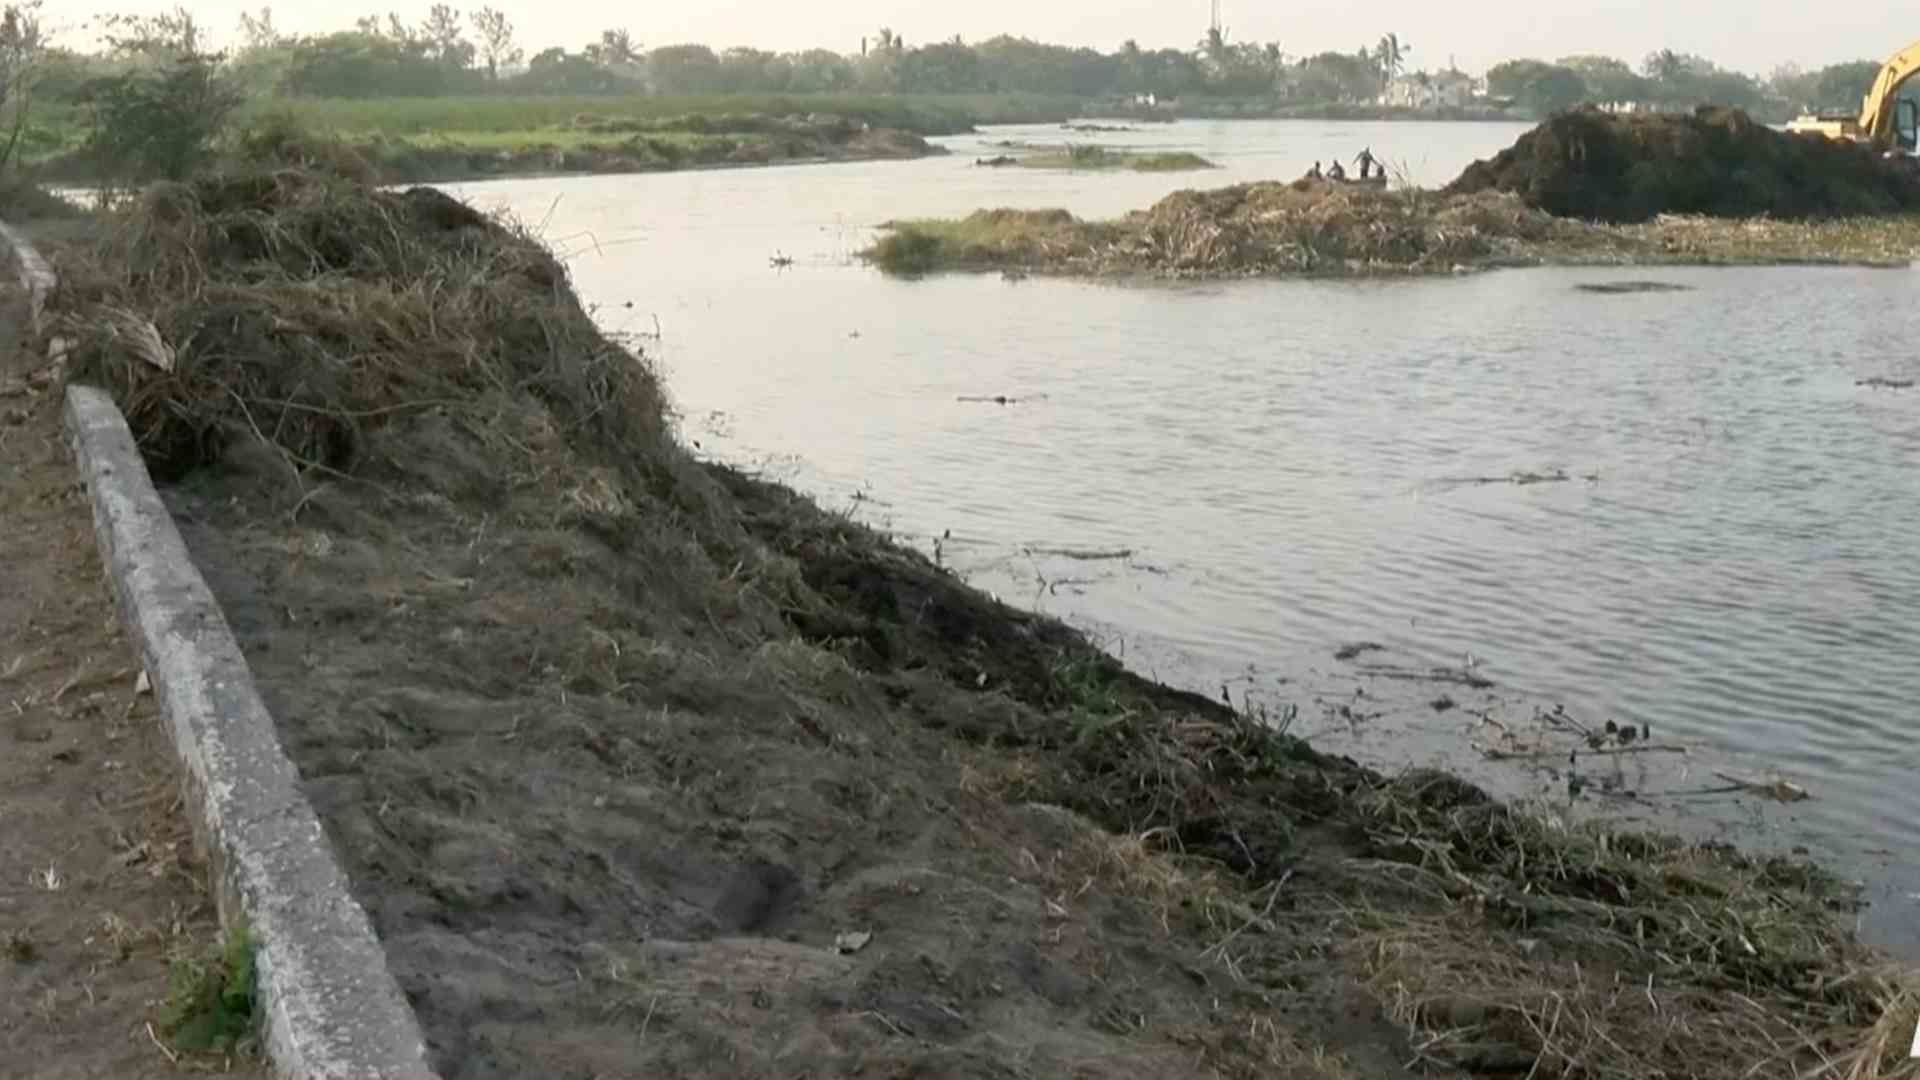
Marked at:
<point>1391,54</point>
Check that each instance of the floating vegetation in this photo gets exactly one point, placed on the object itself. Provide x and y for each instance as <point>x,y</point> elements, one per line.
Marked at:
<point>1616,288</point>
<point>1100,158</point>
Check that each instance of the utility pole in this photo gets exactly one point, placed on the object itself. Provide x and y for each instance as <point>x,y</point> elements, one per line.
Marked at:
<point>1215,24</point>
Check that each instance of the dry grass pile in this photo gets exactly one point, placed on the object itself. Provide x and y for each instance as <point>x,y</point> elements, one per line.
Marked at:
<point>1593,953</point>
<point>313,313</point>
<point>1251,229</point>
<point>1594,165</point>
<point>1309,228</point>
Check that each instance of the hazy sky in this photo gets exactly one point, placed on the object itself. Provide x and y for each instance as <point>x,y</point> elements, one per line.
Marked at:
<point>1754,35</point>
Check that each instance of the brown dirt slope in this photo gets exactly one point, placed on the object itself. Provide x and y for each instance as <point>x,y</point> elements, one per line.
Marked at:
<point>644,767</point>
<point>1599,166</point>
<point>99,883</point>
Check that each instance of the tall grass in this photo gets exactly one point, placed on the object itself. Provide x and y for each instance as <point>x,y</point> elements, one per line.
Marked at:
<point>924,115</point>
<point>1092,157</point>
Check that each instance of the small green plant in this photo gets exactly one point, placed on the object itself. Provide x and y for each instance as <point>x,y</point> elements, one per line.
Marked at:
<point>907,251</point>
<point>211,997</point>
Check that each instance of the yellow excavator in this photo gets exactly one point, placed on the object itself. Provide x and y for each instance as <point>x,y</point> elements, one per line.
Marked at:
<point>1886,121</point>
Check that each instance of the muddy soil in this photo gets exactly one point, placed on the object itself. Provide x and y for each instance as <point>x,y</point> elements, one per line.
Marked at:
<point>1622,168</point>
<point>647,767</point>
<point>603,832</point>
<point>100,885</point>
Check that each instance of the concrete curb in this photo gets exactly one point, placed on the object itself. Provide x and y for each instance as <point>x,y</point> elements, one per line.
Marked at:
<point>35,275</point>
<point>331,1008</point>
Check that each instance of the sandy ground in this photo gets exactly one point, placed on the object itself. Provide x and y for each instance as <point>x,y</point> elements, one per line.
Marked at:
<point>99,881</point>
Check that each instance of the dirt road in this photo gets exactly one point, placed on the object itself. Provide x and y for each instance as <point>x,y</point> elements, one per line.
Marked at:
<point>99,883</point>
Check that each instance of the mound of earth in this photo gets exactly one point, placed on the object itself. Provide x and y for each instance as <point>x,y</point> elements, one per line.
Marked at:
<point>1600,166</point>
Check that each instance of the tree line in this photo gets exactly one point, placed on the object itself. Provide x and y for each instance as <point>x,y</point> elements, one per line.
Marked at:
<point>1670,79</point>
<point>456,52</point>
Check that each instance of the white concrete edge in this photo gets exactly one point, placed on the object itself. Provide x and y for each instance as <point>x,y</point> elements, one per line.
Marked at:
<point>331,1009</point>
<point>35,275</point>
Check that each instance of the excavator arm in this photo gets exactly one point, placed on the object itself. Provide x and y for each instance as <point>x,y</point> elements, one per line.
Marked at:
<point>1877,108</point>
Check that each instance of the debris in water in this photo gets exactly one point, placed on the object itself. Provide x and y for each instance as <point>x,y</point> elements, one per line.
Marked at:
<point>1879,383</point>
<point>998,399</point>
<point>781,261</point>
<point>1519,478</point>
<point>1613,288</point>
<point>1785,791</point>
<point>1440,674</point>
<point>852,941</point>
<point>1443,703</point>
<point>1082,554</point>
<point>1358,648</point>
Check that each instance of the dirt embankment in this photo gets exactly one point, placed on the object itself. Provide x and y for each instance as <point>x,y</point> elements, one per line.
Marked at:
<point>645,766</point>
<point>1598,166</point>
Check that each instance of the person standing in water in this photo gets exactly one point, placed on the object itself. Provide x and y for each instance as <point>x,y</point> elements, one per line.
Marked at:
<point>1367,161</point>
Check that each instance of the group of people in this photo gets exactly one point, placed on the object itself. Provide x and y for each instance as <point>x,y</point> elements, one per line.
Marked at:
<point>1370,166</point>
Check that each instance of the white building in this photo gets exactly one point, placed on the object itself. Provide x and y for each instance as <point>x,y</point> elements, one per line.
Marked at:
<point>1445,90</point>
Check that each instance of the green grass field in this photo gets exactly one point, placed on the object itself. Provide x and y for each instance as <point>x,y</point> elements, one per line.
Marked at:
<point>931,115</point>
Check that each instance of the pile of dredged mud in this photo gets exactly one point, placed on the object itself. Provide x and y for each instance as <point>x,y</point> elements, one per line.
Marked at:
<point>1630,167</point>
<point>644,766</point>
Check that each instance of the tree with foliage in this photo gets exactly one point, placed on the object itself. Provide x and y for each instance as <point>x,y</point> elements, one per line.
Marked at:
<point>496,40</point>
<point>1333,76</point>
<point>1539,87</point>
<point>1664,66</point>
<point>878,71</point>
<point>257,30</point>
<point>946,68</point>
<point>1843,87</point>
<point>820,71</point>
<point>684,69</point>
<point>162,36</point>
<point>444,39</point>
<point>22,50</point>
<point>556,71</point>
<point>353,64</point>
<point>615,49</point>
<point>1682,79</point>
<point>1607,78</point>
<point>160,119</point>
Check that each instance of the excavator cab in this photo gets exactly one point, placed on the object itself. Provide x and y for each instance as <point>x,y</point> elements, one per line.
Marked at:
<point>1906,127</point>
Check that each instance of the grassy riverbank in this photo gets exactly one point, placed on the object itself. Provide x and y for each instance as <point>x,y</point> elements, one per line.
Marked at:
<point>1322,229</point>
<point>619,747</point>
<point>601,146</point>
<point>400,140</point>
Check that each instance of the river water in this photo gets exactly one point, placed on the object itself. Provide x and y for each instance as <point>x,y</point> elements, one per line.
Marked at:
<point>1227,482</point>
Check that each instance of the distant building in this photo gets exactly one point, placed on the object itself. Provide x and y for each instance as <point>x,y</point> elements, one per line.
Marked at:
<point>1444,90</point>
